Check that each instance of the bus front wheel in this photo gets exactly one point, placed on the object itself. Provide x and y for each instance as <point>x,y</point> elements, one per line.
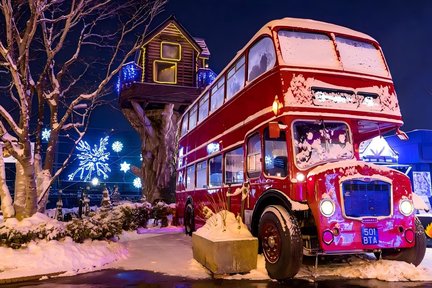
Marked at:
<point>412,255</point>
<point>189,219</point>
<point>281,242</point>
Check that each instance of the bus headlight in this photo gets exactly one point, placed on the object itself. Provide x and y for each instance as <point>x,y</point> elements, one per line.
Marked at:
<point>406,207</point>
<point>300,177</point>
<point>327,207</point>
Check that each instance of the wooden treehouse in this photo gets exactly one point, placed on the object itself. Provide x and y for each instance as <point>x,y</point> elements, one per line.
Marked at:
<point>167,75</point>
<point>171,68</point>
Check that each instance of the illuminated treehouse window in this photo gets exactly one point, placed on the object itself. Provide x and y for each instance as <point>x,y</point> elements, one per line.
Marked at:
<point>165,72</point>
<point>170,51</point>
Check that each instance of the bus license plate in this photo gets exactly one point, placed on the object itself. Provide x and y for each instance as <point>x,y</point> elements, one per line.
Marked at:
<point>369,236</point>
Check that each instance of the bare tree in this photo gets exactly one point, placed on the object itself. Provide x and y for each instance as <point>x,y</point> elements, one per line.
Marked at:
<point>56,60</point>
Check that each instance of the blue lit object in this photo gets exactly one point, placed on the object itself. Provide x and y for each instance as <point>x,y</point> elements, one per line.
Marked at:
<point>124,166</point>
<point>46,133</point>
<point>117,146</point>
<point>95,181</point>
<point>213,147</point>
<point>366,198</point>
<point>205,77</point>
<point>129,74</point>
<point>137,183</point>
<point>92,160</point>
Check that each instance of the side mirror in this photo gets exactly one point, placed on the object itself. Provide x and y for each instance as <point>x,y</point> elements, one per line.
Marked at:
<point>401,135</point>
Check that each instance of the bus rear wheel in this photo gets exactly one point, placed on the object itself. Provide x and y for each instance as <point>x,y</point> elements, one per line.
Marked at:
<point>281,242</point>
<point>412,255</point>
<point>189,219</point>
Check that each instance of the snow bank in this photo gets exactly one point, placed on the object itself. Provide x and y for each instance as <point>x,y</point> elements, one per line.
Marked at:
<point>58,256</point>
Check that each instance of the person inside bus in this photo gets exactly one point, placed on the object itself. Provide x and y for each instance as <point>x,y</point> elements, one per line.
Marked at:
<point>260,68</point>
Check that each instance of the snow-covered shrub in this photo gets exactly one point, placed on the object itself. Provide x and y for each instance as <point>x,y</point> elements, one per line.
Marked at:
<point>161,211</point>
<point>134,215</point>
<point>15,234</point>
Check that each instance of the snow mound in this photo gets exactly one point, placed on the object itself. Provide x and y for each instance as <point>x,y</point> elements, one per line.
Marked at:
<point>59,256</point>
<point>224,226</point>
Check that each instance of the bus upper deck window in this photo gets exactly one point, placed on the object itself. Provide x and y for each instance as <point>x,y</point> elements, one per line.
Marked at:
<point>236,78</point>
<point>217,94</point>
<point>306,49</point>
<point>361,57</point>
<point>203,107</point>
<point>184,126</point>
<point>261,58</point>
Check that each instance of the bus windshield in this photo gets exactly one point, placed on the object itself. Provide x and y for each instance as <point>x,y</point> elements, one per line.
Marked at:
<point>309,49</point>
<point>319,142</point>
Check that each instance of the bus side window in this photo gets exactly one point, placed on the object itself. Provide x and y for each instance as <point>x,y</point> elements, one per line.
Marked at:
<point>261,58</point>
<point>193,117</point>
<point>215,171</point>
<point>180,180</point>
<point>217,94</point>
<point>201,174</point>
<point>190,177</point>
<point>236,78</point>
<point>275,154</point>
<point>254,156</point>
<point>184,126</point>
<point>203,109</point>
<point>234,166</point>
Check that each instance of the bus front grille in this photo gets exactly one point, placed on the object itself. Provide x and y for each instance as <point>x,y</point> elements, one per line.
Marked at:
<point>366,198</point>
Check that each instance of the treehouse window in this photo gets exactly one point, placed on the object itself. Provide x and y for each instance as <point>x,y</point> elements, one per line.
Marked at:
<point>165,72</point>
<point>170,51</point>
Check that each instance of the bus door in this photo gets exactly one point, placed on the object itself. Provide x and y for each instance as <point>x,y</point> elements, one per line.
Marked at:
<point>234,181</point>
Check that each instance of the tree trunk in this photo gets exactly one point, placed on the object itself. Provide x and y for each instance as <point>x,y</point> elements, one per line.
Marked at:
<point>19,195</point>
<point>43,181</point>
<point>158,150</point>
<point>5,197</point>
<point>30,188</point>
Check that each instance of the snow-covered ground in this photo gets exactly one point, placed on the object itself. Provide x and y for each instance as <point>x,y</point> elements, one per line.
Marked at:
<point>169,251</point>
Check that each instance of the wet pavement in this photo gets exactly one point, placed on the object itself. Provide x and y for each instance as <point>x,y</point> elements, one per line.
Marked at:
<point>139,278</point>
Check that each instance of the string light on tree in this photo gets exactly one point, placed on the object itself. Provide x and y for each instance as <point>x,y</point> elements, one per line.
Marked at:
<point>95,181</point>
<point>46,133</point>
<point>137,183</point>
<point>92,160</point>
<point>117,146</point>
<point>124,166</point>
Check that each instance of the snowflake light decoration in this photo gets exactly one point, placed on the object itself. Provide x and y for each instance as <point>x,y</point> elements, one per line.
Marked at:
<point>46,133</point>
<point>117,146</point>
<point>137,183</point>
<point>124,166</point>
<point>92,160</point>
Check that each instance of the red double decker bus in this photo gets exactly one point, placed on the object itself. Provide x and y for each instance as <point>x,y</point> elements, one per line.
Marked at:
<point>284,120</point>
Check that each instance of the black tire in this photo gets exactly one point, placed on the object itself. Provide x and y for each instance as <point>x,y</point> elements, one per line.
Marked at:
<point>281,242</point>
<point>412,255</point>
<point>189,219</point>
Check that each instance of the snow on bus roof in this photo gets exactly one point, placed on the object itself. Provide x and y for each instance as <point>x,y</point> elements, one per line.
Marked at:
<point>288,22</point>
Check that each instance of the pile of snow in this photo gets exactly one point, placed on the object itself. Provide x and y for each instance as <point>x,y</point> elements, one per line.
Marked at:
<point>44,257</point>
<point>224,225</point>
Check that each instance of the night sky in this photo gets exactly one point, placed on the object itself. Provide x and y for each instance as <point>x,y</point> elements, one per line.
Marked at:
<point>403,28</point>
